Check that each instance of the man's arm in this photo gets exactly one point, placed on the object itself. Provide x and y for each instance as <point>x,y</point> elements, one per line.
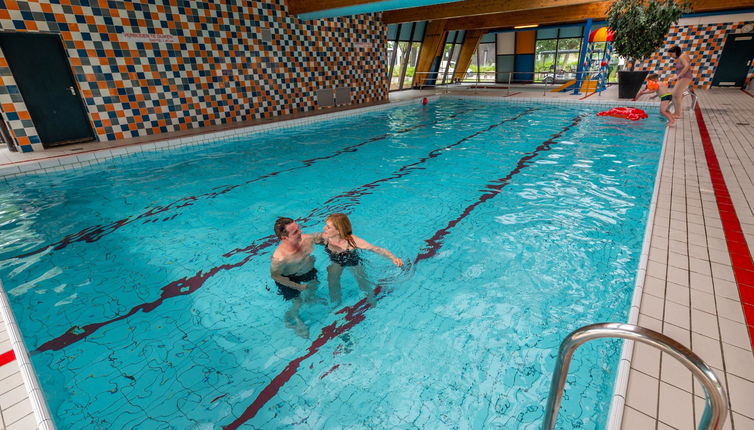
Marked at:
<point>316,238</point>
<point>277,276</point>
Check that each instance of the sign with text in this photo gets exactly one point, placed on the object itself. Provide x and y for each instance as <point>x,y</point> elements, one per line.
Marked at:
<point>148,38</point>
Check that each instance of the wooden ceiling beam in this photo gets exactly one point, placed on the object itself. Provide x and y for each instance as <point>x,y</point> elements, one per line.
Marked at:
<point>552,15</point>
<point>471,7</point>
<point>496,9</point>
<point>567,14</point>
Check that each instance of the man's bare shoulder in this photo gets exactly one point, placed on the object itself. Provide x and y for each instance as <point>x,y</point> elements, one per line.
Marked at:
<point>278,255</point>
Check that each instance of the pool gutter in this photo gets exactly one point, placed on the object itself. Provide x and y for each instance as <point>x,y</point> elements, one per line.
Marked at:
<point>33,389</point>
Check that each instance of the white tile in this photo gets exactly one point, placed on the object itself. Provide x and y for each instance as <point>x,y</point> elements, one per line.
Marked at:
<point>741,393</point>
<point>734,333</point>
<point>726,289</point>
<point>676,407</point>
<point>680,335</point>
<point>704,323</point>
<point>708,349</point>
<point>635,420</point>
<point>703,301</point>
<point>740,421</point>
<point>646,359</point>
<point>29,422</point>
<point>16,412</point>
<point>12,395</point>
<point>677,315</point>
<point>652,306</point>
<point>654,286</point>
<point>730,309</point>
<point>678,294</point>
<point>701,282</point>
<point>675,373</point>
<point>738,361</point>
<point>642,393</point>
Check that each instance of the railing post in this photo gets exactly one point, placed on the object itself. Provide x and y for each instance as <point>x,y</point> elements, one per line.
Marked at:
<point>716,401</point>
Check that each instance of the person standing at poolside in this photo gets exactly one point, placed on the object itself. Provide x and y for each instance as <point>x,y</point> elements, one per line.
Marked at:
<point>292,269</point>
<point>342,246</point>
<point>684,74</point>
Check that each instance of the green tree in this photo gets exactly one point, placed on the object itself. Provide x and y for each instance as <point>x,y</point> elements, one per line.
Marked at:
<point>641,26</point>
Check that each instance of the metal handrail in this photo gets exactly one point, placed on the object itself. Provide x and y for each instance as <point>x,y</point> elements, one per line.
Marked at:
<point>716,401</point>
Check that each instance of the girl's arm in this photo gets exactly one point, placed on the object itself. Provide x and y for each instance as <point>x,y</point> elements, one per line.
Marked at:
<point>642,92</point>
<point>363,244</point>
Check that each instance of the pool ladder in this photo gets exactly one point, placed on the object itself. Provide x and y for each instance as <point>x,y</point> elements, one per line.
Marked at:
<point>715,402</point>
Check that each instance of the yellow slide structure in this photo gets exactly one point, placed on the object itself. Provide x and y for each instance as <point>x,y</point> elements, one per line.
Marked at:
<point>563,87</point>
<point>589,86</point>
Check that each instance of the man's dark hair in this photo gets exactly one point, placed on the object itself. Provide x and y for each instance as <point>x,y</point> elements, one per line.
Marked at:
<point>675,50</point>
<point>280,225</point>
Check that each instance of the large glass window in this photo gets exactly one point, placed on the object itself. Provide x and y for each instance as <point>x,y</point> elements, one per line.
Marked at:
<point>557,54</point>
<point>450,53</point>
<point>404,42</point>
<point>483,61</point>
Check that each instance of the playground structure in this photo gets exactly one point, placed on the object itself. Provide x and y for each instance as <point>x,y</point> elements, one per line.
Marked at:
<point>594,69</point>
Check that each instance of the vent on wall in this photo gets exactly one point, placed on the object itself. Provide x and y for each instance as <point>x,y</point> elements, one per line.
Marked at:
<point>342,96</point>
<point>325,97</point>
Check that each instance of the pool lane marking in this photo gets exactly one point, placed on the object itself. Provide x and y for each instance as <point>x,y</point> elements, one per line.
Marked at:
<point>7,357</point>
<point>738,249</point>
<point>188,285</point>
<point>96,232</point>
<point>404,170</point>
<point>355,314</point>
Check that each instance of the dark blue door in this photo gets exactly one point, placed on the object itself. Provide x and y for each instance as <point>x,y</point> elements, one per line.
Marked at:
<point>734,61</point>
<point>43,75</point>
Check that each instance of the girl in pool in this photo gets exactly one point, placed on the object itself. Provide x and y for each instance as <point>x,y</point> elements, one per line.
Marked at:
<point>342,246</point>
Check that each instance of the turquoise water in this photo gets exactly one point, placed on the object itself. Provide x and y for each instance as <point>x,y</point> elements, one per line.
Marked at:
<point>142,288</point>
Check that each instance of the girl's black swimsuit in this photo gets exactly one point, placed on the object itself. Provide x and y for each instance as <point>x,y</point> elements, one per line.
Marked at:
<point>349,257</point>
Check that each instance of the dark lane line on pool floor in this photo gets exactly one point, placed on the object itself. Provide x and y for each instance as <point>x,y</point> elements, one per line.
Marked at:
<point>97,232</point>
<point>353,315</point>
<point>188,285</point>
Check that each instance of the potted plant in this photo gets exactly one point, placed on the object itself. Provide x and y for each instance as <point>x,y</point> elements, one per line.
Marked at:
<point>641,27</point>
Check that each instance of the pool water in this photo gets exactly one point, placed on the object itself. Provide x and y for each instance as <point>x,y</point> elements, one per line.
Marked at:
<point>141,285</point>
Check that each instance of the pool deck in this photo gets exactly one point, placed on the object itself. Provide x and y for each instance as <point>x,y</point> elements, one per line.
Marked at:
<point>699,283</point>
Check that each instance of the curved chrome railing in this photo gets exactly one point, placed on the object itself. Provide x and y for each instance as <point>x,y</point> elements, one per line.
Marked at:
<point>716,401</point>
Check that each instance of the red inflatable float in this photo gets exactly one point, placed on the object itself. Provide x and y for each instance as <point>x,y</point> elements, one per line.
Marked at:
<point>625,112</point>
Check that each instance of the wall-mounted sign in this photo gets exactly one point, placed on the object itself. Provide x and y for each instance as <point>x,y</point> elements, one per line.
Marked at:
<point>147,38</point>
<point>363,45</point>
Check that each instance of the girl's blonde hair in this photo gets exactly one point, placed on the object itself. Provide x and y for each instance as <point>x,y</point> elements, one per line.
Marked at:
<point>343,225</point>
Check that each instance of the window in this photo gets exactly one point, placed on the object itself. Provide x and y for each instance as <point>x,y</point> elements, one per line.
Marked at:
<point>404,42</point>
<point>483,60</point>
<point>450,53</point>
<point>557,54</point>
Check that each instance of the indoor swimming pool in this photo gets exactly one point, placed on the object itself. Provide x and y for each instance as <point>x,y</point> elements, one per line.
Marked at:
<point>142,289</point>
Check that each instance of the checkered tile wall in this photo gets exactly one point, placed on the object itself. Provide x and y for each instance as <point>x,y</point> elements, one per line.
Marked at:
<point>213,65</point>
<point>703,43</point>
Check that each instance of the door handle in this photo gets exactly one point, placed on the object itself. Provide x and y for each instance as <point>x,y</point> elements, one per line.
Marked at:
<point>72,90</point>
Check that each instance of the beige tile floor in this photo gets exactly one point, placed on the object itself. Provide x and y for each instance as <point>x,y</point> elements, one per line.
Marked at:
<point>690,292</point>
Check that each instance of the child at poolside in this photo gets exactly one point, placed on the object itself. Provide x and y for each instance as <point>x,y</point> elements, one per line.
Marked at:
<point>661,90</point>
<point>342,247</point>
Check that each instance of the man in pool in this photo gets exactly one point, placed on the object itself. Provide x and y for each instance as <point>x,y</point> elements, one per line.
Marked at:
<point>292,269</point>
